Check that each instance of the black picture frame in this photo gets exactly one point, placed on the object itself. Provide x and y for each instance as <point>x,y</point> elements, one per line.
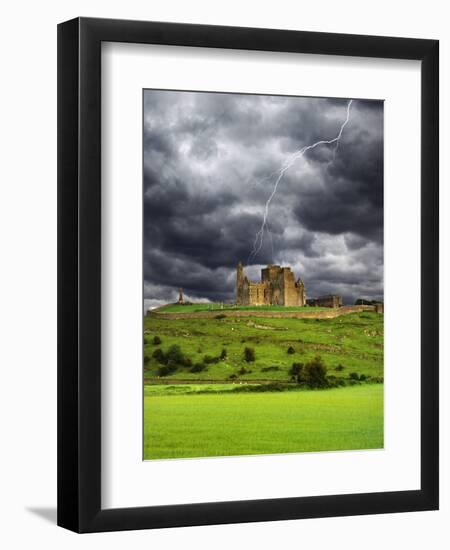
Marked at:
<point>79,274</point>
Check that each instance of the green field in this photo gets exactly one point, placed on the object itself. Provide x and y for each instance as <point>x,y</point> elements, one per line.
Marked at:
<point>232,406</point>
<point>352,343</point>
<point>228,423</point>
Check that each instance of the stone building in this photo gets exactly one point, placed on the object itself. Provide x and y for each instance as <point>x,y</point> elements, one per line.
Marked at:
<point>277,287</point>
<point>329,300</point>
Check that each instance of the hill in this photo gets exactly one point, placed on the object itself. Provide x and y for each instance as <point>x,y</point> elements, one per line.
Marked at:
<point>349,344</point>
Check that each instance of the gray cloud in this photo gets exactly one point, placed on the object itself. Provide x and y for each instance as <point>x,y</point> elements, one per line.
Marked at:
<point>209,160</point>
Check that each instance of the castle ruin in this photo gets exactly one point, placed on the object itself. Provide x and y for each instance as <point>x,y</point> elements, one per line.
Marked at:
<point>277,288</point>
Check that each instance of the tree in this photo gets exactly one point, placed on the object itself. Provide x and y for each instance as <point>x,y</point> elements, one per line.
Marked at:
<point>315,373</point>
<point>249,354</point>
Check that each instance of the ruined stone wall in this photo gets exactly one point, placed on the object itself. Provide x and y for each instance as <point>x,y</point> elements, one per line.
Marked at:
<point>320,314</point>
<point>257,294</point>
<point>301,292</point>
<point>291,292</point>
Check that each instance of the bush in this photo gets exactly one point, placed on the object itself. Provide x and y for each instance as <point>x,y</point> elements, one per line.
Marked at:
<point>157,341</point>
<point>220,316</point>
<point>296,369</point>
<point>290,350</point>
<point>165,370</point>
<point>249,354</point>
<point>158,354</point>
<point>353,376</point>
<point>335,382</point>
<point>175,354</point>
<point>243,371</point>
<point>274,386</point>
<point>312,374</point>
<point>363,377</point>
<point>315,373</point>
<point>198,367</point>
<point>146,359</point>
<point>339,368</point>
<point>209,360</point>
<point>223,354</point>
<point>233,376</point>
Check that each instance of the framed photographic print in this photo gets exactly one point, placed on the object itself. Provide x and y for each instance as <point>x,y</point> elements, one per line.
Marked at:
<point>248,275</point>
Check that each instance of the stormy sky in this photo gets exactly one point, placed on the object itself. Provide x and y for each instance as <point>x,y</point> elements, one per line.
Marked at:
<point>210,164</point>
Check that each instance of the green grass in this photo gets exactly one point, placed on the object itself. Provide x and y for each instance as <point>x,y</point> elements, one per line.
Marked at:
<point>354,341</point>
<point>229,424</point>
<point>206,306</point>
<point>188,389</point>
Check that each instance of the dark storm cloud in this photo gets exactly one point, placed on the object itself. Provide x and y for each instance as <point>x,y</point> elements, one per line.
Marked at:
<point>209,161</point>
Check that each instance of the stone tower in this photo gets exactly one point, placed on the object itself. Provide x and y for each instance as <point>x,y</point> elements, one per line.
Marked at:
<point>180,296</point>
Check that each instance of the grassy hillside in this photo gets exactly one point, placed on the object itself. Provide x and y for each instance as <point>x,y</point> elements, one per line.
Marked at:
<point>227,424</point>
<point>347,344</point>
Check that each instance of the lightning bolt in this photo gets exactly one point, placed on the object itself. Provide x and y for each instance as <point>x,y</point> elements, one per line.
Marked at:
<point>259,238</point>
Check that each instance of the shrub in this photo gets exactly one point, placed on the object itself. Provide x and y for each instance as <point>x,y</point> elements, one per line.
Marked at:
<point>353,376</point>
<point>198,367</point>
<point>334,381</point>
<point>249,354</point>
<point>157,341</point>
<point>209,360</point>
<point>296,369</point>
<point>290,350</point>
<point>146,359</point>
<point>223,353</point>
<point>158,354</point>
<point>339,368</point>
<point>175,354</point>
<point>315,373</point>
<point>232,376</point>
<point>363,377</point>
<point>220,316</point>
<point>312,374</point>
<point>243,371</point>
<point>274,386</point>
<point>165,370</point>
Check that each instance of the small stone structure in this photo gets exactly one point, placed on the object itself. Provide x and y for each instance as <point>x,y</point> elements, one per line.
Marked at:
<point>329,300</point>
<point>278,287</point>
<point>181,297</point>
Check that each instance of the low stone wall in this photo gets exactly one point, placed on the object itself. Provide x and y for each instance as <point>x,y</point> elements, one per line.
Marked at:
<point>320,314</point>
